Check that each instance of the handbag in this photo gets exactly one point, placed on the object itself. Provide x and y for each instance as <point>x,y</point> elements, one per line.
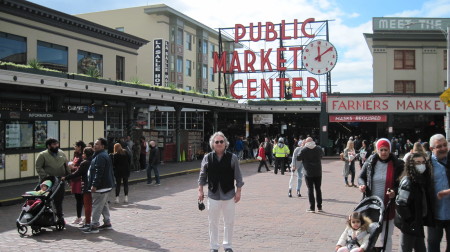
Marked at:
<point>201,206</point>
<point>259,158</point>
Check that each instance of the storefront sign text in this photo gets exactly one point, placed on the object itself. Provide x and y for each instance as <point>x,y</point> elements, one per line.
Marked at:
<point>390,104</point>
<point>358,118</point>
<point>268,60</point>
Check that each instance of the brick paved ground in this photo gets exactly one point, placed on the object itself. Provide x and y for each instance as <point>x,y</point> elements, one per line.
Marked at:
<point>166,218</point>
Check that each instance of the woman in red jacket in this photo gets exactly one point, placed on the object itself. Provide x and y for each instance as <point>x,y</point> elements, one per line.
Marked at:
<point>262,157</point>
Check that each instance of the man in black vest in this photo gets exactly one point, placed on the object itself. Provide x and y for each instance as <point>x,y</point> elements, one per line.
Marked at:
<point>220,170</point>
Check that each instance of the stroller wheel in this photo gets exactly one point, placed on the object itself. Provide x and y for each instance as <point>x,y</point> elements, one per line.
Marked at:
<point>35,230</point>
<point>22,230</point>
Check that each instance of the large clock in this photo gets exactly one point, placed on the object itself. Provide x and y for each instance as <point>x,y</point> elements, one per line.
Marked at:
<point>319,57</point>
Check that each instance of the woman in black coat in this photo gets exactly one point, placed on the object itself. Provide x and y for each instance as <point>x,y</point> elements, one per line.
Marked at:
<point>121,166</point>
<point>412,203</point>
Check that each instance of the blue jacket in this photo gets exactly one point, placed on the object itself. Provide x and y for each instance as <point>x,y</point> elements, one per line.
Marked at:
<point>101,172</point>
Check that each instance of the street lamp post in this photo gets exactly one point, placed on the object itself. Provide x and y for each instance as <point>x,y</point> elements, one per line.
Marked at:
<point>447,123</point>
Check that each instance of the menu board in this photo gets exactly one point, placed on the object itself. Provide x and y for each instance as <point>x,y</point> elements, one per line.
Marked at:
<point>12,136</point>
<point>53,129</point>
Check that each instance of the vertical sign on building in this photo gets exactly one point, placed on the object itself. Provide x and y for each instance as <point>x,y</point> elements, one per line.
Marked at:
<point>157,61</point>
<point>166,63</point>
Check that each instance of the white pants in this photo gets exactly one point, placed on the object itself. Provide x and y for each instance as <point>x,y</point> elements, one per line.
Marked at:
<point>380,240</point>
<point>215,208</point>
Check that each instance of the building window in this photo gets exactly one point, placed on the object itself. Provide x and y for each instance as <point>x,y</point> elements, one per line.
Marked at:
<point>179,64</point>
<point>188,68</point>
<point>180,36</point>
<point>204,72</point>
<point>404,59</point>
<point>213,48</point>
<point>188,41</point>
<point>405,86</point>
<point>121,29</point>
<point>13,48</point>
<point>120,68</point>
<point>52,56</point>
<point>90,63</point>
<point>211,74</point>
<point>205,47</point>
<point>445,59</point>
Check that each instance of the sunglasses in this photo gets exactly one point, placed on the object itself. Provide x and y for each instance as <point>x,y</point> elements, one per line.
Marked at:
<point>219,142</point>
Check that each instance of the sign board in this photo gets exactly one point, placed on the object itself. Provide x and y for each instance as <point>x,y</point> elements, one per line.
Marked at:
<point>262,118</point>
<point>413,24</point>
<point>385,104</point>
<point>358,118</point>
<point>160,62</point>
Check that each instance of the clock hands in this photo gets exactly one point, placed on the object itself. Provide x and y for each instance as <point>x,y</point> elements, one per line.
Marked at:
<point>319,56</point>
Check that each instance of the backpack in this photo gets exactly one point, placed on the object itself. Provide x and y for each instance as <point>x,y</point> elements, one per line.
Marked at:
<point>341,156</point>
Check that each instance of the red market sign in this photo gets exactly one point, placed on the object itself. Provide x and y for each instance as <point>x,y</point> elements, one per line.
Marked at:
<point>385,104</point>
<point>358,118</point>
<point>269,60</point>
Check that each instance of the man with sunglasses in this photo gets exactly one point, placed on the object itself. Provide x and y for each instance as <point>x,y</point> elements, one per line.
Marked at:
<point>440,206</point>
<point>220,170</point>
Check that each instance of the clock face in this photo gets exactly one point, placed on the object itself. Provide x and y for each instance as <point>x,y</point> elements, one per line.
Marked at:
<point>319,57</point>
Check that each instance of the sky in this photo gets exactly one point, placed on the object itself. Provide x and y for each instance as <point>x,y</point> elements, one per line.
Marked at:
<point>350,19</point>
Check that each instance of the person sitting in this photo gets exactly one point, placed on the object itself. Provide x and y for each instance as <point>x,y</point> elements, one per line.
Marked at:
<point>44,186</point>
<point>355,237</point>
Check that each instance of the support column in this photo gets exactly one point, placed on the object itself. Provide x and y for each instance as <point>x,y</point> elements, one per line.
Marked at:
<point>216,116</point>
<point>324,127</point>
<point>177,130</point>
<point>129,112</point>
<point>390,124</point>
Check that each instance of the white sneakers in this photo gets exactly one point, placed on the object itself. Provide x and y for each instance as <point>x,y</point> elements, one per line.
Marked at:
<point>125,200</point>
<point>77,221</point>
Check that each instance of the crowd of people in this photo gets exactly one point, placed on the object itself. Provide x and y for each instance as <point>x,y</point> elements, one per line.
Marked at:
<point>93,172</point>
<point>414,189</point>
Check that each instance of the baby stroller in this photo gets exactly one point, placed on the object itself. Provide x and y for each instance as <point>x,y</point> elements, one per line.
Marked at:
<point>38,211</point>
<point>372,207</point>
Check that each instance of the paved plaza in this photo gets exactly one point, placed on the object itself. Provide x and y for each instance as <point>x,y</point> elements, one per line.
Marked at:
<point>166,218</point>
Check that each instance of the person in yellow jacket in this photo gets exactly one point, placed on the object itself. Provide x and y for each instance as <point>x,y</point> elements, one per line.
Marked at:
<point>281,152</point>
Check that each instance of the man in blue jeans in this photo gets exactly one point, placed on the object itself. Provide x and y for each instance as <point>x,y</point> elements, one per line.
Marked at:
<point>441,197</point>
<point>100,182</point>
<point>153,163</point>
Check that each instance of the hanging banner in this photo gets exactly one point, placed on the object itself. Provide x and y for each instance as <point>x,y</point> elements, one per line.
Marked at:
<point>158,62</point>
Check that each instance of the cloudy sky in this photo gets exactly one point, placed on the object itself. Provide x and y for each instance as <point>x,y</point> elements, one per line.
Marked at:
<point>351,18</point>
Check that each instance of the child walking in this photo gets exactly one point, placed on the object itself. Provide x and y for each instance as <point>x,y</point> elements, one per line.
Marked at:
<point>355,237</point>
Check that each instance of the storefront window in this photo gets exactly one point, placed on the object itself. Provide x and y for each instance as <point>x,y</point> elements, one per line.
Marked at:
<point>52,56</point>
<point>90,63</point>
<point>13,48</point>
<point>2,137</point>
<point>18,135</point>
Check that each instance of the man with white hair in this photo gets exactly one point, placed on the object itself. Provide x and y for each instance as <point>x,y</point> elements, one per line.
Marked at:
<point>440,178</point>
<point>220,170</point>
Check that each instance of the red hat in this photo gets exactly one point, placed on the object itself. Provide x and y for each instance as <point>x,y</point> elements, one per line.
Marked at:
<point>383,142</point>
